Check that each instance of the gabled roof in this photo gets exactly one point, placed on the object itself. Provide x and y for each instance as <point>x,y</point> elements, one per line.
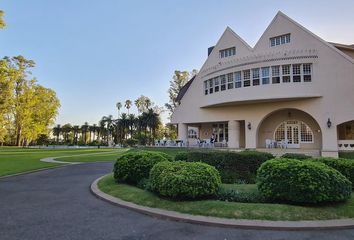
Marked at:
<point>184,89</point>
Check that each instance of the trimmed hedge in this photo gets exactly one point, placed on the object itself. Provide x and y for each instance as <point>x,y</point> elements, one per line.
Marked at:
<point>301,182</point>
<point>133,167</point>
<point>344,166</point>
<point>184,180</point>
<point>297,156</point>
<point>234,167</point>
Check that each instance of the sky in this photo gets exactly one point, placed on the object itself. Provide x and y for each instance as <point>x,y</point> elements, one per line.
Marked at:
<point>96,53</point>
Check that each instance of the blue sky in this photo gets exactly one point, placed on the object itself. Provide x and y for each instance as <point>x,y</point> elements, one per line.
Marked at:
<point>95,53</point>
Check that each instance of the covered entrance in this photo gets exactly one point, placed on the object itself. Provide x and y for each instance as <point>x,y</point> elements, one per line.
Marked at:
<point>289,128</point>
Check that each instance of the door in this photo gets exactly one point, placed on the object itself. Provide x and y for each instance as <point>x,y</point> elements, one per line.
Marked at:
<point>292,135</point>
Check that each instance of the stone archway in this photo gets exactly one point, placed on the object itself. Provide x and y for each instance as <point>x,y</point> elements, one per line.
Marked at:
<point>298,128</point>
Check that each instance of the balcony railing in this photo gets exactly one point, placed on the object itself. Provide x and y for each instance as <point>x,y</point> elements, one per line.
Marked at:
<point>346,145</point>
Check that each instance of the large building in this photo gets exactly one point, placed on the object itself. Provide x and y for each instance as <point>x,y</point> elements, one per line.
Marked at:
<point>292,89</point>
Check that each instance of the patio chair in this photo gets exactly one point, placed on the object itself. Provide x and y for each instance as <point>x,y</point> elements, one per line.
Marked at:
<point>268,143</point>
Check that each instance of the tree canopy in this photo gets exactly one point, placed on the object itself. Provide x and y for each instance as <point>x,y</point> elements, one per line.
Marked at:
<point>179,79</point>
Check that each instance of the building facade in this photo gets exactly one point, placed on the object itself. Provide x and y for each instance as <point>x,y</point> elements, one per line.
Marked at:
<point>291,89</point>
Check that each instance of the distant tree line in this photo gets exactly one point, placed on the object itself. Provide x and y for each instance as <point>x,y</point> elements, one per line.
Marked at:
<point>128,129</point>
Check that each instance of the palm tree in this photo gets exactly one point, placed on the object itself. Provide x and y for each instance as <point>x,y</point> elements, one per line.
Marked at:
<point>118,106</point>
<point>123,124</point>
<point>76,129</point>
<point>57,131</point>
<point>128,104</point>
<point>66,129</point>
<point>102,128</point>
<point>84,129</point>
<point>92,130</point>
<point>131,121</point>
<point>153,122</point>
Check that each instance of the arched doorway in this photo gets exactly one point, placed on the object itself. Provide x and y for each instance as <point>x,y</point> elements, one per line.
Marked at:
<point>292,127</point>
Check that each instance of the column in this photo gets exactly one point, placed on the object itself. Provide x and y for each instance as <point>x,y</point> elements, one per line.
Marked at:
<point>183,132</point>
<point>329,141</point>
<point>234,134</point>
<point>251,135</point>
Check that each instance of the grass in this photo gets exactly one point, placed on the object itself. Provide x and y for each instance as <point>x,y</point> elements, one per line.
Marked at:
<point>16,160</point>
<point>261,211</point>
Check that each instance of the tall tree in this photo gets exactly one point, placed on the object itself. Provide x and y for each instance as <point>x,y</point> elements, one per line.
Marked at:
<point>143,103</point>
<point>2,22</point>
<point>118,106</point>
<point>57,132</point>
<point>128,104</point>
<point>179,79</point>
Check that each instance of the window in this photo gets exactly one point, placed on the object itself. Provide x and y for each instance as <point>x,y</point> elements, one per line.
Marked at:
<point>306,133</point>
<point>286,73</point>
<point>211,86</point>
<point>265,75</point>
<point>206,87</point>
<point>296,72</point>
<point>227,52</point>
<point>223,82</point>
<point>238,80</point>
<point>255,76</point>
<point>192,133</point>
<point>216,84</point>
<point>230,81</point>
<point>246,78</point>
<point>275,74</point>
<point>306,70</point>
<point>279,40</point>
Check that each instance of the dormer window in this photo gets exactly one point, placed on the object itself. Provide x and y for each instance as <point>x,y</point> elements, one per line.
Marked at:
<point>279,40</point>
<point>227,52</point>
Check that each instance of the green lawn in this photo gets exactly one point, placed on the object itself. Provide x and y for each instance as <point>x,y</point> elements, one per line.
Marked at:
<point>16,160</point>
<point>263,211</point>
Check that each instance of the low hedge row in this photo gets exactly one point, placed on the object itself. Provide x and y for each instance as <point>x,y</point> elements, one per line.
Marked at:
<point>234,167</point>
<point>134,167</point>
<point>298,181</point>
<point>184,180</point>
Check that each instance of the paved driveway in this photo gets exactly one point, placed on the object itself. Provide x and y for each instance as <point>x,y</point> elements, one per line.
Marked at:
<point>57,204</point>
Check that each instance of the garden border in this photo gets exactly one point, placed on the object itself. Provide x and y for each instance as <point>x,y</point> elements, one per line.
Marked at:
<point>222,222</point>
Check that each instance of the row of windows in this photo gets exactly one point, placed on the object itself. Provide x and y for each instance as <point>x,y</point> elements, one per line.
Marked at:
<point>280,40</point>
<point>257,76</point>
<point>227,52</point>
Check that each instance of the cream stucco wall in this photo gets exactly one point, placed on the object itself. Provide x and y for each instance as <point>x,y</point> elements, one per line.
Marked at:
<point>328,95</point>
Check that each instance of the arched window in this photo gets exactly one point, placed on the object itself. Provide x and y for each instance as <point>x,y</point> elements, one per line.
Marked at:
<point>192,133</point>
<point>294,131</point>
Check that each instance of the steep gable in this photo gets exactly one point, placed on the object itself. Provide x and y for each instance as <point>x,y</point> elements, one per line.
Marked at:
<point>227,40</point>
<point>281,25</point>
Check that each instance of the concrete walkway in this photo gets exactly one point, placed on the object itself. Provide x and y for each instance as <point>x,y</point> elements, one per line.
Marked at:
<point>57,204</point>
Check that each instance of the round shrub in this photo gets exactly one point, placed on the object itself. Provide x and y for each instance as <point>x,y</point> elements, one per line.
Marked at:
<point>184,180</point>
<point>344,166</point>
<point>135,166</point>
<point>301,182</point>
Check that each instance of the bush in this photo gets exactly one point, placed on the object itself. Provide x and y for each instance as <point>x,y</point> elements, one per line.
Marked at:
<point>297,156</point>
<point>301,182</point>
<point>183,180</point>
<point>181,156</point>
<point>344,166</point>
<point>232,195</point>
<point>132,167</point>
<point>234,167</point>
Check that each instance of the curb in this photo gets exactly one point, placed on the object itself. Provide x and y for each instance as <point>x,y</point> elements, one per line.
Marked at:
<point>223,222</point>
